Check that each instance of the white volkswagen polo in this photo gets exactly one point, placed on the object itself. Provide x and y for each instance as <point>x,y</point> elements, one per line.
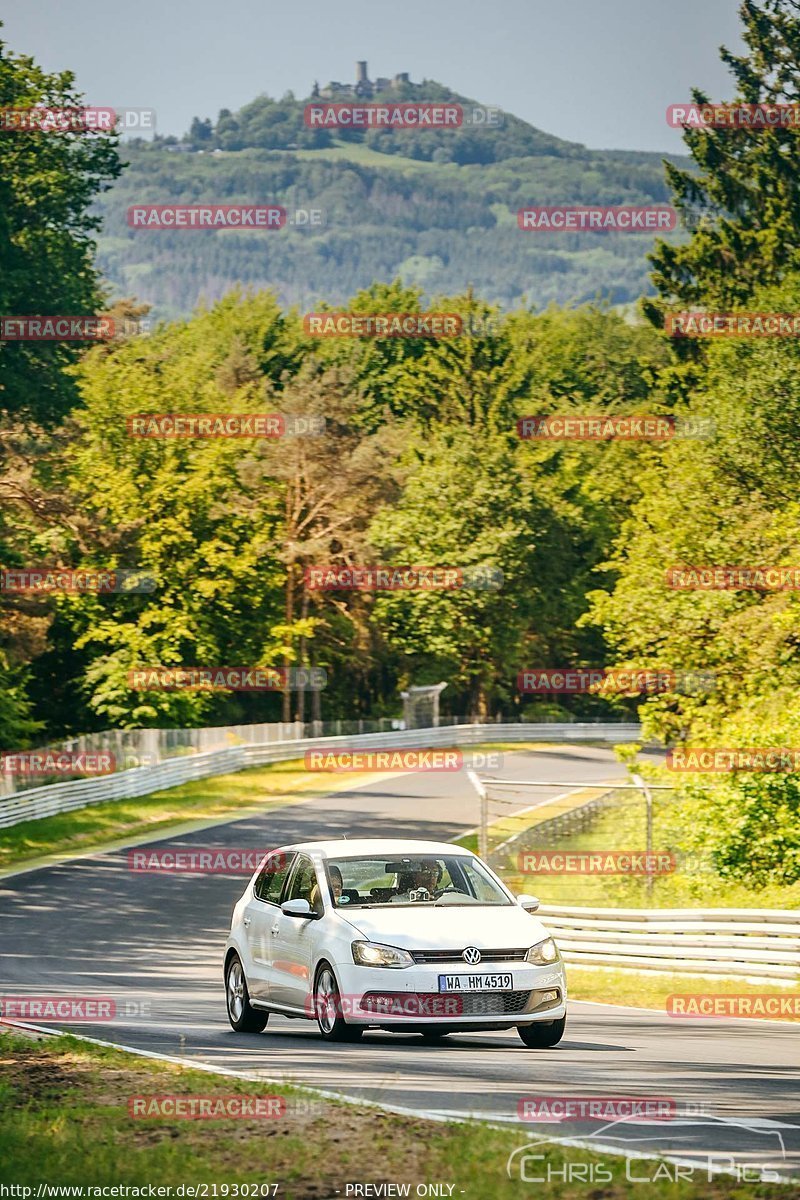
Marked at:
<point>389,934</point>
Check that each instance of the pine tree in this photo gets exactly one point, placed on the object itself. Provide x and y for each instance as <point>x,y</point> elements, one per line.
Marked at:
<point>742,199</point>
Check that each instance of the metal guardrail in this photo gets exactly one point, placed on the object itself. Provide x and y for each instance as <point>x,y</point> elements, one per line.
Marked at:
<point>69,795</point>
<point>753,942</point>
<point>124,749</point>
<point>758,944</point>
<point>732,942</point>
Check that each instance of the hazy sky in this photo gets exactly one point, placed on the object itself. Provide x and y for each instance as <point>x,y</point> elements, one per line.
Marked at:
<point>600,72</point>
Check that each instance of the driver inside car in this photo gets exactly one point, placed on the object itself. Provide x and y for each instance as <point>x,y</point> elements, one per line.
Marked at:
<point>419,884</point>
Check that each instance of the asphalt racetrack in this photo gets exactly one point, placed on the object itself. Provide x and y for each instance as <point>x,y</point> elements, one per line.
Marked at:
<point>154,942</point>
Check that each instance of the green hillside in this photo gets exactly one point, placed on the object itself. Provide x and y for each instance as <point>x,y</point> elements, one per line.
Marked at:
<point>436,208</point>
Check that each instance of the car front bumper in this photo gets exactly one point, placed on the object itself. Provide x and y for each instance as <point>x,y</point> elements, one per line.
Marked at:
<point>410,996</point>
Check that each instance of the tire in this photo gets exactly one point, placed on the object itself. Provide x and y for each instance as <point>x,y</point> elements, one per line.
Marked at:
<point>543,1034</point>
<point>242,1016</point>
<point>328,1009</point>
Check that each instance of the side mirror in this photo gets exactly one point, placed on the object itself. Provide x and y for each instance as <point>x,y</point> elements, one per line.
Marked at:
<point>529,903</point>
<point>298,908</point>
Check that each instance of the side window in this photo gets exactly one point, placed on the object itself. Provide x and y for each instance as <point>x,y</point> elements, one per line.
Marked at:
<point>303,884</point>
<point>269,884</point>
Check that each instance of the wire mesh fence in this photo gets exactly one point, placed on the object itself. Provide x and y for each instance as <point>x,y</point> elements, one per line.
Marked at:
<point>129,748</point>
<point>575,841</point>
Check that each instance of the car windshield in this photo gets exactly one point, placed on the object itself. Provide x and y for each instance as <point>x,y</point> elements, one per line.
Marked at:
<point>447,881</point>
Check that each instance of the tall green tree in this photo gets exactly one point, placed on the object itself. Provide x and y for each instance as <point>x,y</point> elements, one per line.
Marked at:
<point>48,182</point>
<point>183,510</point>
<point>465,504</point>
<point>331,482</point>
<point>742,197</point>
<point>727,500</point>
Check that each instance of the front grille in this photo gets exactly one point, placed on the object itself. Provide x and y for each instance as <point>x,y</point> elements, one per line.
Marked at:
<point>443,1005</point>
<point>425,1006</point>
<point>479,1004</point>
<point>452,956</point>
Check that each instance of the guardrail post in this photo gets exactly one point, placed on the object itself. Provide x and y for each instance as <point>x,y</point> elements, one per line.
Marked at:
<point>151,746</point>
<point>483,823</point>
<point>648,799</point>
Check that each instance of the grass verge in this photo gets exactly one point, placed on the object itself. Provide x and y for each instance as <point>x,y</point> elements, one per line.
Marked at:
<point>641,989</point>
<point>692,883</point>
<point>68,1123</point>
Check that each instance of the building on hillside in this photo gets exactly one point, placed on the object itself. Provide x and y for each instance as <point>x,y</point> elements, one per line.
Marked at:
<point>364,88</point>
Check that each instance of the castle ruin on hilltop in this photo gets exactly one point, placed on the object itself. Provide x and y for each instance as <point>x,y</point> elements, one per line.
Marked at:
<point>364,88</point>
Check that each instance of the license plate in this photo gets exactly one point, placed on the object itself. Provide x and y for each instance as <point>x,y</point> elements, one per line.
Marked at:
<point>476,983</point>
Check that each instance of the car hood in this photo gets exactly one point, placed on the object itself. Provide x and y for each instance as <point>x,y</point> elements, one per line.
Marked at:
<point>420,928</point>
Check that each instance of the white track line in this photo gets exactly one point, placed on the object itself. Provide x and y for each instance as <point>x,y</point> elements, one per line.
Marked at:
<point>662,1013</point>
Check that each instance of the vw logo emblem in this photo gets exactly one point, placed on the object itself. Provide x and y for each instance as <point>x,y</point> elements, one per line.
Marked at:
<point>472,955</point>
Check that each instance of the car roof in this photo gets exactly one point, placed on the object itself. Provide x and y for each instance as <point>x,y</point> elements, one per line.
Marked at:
<point>380,847</point>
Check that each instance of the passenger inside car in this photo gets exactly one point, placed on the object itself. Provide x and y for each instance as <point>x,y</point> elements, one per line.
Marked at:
<point>336,882</point>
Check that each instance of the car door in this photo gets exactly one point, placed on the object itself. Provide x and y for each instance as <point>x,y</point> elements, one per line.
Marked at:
<point>293,939</point>
<point>258,919</point>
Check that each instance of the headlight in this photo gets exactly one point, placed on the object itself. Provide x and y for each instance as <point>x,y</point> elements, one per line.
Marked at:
<point>373,954</point>
<point>543,953</point>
